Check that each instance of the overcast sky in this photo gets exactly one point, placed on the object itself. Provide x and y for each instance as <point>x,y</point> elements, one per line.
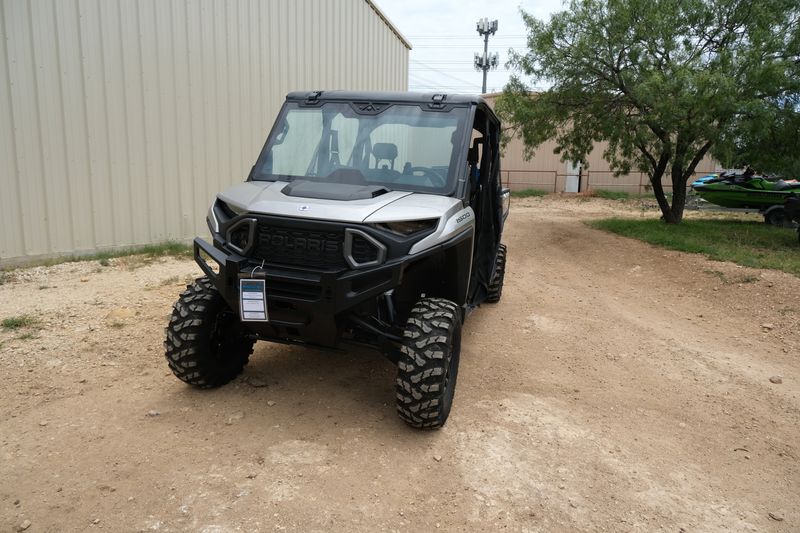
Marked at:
<point>444,39</point>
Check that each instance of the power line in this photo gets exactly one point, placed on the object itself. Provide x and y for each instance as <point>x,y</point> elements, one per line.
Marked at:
<point>445,62</point>
<point>463,69</point>
<point>425,82</point>
<point>439,71</point>
<point>457,46</point>
<point>466,88</point>
<point>462,36</point>
<point>442,67</point>
<point>441,62</point>
<point>422,81</point>
<point>435,86</point>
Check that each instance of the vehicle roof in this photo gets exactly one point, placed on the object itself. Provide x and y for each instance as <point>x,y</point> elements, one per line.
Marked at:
<point>388,97</point>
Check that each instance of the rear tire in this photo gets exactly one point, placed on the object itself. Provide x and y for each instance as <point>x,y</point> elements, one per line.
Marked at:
<point>428,365</point>
<point>499,274</point>
<point>776,217</point>
<point>206,345</point>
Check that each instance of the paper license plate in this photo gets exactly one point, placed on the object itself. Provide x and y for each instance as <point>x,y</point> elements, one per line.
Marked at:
<point>253,300</point>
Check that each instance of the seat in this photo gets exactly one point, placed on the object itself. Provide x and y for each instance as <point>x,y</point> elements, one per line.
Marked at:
<point>781,185</point>
<point>384,152</point>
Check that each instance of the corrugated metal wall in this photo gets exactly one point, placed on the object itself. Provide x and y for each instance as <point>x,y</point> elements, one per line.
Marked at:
<point>121,119</point>
<point>546,171</point>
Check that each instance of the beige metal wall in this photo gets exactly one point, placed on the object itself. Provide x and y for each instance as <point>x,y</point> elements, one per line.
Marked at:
<point>120,119</point>
<point>546,171</point>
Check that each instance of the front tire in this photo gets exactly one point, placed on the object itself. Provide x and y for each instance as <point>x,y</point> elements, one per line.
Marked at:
<point>499,274</point>
<point>206,345</point>
<point>428,365</point>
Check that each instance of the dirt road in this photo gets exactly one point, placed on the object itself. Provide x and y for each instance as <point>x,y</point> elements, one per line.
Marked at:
<point>606,392</point>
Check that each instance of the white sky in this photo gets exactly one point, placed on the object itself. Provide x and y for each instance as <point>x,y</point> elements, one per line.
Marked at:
<point>444,39</point>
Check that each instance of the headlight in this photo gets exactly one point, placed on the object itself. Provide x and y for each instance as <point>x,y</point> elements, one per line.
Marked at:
<point>220,213</point>
<point>408,227</point>
<point>230,210</point>
<point>212,221</point>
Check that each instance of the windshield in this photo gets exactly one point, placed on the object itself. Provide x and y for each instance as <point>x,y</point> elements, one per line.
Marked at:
<point>401,147</point>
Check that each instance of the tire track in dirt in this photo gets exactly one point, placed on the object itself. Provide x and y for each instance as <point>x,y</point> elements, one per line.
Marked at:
<point>593,397</point>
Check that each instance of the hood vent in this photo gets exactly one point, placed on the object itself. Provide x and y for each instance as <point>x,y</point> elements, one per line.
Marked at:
<point>332,191</point>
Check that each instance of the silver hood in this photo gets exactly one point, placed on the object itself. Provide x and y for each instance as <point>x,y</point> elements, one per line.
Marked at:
<point>266,197</point>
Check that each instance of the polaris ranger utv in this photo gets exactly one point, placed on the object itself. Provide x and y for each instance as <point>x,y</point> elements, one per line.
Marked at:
<point>368,218</point>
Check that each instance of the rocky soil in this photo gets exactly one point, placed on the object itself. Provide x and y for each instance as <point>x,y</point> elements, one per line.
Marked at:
<point>616,387</point>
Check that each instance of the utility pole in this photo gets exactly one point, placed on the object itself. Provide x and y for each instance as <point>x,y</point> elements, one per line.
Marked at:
<point>487,61</point>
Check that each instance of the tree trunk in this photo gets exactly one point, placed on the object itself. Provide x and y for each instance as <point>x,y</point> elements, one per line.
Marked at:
<point>678,196</point>
<point>658,188</point>
<point>661,198</point>
<point>678,202</point>
<point>673,214</point>
<point>678,184</point>
<point>679,178</point>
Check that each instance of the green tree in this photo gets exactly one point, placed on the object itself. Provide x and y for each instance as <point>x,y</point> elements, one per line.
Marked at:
<point>662,81</point>
<point>769,142</point>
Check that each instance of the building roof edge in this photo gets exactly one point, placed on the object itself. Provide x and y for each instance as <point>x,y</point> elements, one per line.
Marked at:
<point>389,23</point>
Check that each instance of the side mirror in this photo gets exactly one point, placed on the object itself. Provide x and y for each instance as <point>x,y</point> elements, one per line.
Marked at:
<point>505,198</point>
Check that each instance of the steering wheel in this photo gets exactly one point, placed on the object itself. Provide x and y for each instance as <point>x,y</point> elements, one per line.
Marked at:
<point>436,179</point>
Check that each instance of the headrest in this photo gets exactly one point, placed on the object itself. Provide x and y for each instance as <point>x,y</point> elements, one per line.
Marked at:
<point>384,151</point>
<point>472,153</point>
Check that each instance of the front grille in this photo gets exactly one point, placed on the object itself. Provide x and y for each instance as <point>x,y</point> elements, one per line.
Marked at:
<point>320,249</point>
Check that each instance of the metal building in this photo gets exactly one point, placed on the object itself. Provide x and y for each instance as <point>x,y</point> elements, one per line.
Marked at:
<point>120,119</point>
<point>546,171</point>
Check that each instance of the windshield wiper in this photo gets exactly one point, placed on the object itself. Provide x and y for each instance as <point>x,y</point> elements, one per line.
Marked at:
<point>275,177</point>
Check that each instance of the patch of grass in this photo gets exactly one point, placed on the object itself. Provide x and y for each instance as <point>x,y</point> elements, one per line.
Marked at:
<point>17,322</point>
<point>27,336</point>
<point>751,244</point>
<point>528,193</point>
<point>165,249</point>
<point>138,257</point>
<point>747,278</point>
<point>7,276</point>
<point>721,275</point>
<point>612,195</point>
<point>141,254</point>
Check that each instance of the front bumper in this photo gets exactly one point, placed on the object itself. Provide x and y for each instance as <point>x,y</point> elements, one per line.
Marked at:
<point>304,306</point>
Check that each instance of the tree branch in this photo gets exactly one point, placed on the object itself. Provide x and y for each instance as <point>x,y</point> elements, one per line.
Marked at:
<point>696,160</point>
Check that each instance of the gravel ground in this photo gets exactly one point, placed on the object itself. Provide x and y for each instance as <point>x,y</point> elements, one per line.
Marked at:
<point>616,387</point>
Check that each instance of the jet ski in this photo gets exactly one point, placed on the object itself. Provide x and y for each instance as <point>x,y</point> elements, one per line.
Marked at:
<point>744,190</point>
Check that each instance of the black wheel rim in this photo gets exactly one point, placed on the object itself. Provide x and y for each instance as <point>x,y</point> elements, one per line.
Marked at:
<point>226,333</point>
